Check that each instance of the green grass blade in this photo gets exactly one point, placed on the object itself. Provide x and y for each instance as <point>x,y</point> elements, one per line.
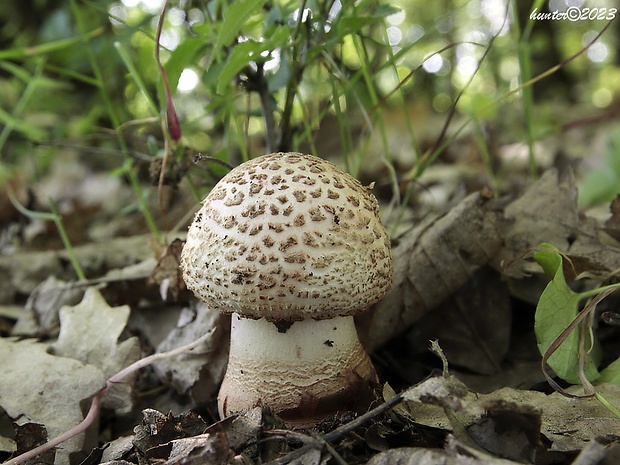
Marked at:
<point>135,75</point>
<point>43,49</point>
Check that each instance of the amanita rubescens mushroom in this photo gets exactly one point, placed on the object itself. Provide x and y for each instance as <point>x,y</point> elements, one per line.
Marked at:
<point>293,246</point>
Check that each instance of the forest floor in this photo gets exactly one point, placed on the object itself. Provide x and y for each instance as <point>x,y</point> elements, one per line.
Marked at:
<point>469,274</point>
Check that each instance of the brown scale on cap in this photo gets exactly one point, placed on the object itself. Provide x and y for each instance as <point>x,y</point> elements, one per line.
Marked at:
<point>287,232</point>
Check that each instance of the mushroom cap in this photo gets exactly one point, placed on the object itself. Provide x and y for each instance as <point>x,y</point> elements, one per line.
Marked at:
<point>288,236</point>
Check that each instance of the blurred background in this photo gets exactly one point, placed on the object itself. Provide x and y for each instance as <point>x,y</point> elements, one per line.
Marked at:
<point>429,100</point>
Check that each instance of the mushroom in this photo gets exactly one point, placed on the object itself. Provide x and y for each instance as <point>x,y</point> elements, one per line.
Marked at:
<point>293,247</point>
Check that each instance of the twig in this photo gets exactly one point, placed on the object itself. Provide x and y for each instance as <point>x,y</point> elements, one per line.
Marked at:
<point>298,68</point>
<point>340,431</point>
<point>262,88</point>
<point>95,405</point>
<point>174,129</point>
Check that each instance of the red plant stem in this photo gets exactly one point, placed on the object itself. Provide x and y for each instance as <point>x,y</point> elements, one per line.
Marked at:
<point>173,120</point>
<point>95,405</point>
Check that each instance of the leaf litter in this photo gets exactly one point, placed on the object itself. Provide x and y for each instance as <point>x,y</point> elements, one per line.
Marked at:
<point>490,407</point>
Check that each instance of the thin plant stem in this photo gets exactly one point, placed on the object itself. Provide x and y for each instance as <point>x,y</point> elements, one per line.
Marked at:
<point>340,431</point>
<point>266,103</point>
<point>608,405</point>
<point>128,169</point>
<point>23,101</point>
<point>369,81</point>
<point>297,70</point>
<point>57,219</point>
<point>66,241</point>
<point>43,49</point>
<point>485,154</point>
<point>525,74</point>
<point>135,75</point>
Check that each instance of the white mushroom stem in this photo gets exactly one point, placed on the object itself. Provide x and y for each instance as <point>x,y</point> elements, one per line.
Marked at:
<point>313,369</point>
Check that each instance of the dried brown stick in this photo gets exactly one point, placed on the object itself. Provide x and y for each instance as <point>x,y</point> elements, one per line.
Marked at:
<point>341,431</point>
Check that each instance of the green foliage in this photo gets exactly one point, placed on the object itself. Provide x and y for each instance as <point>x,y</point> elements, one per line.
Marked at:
<point>611,374</point>
<point>234,19</point>
<point>271,75</point>
<point>57,219</point>
<point>248,52</point>
<point>603,184</point>
<point>557,309</point>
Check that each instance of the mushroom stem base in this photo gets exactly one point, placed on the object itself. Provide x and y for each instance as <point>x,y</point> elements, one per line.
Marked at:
<point>312,370</point>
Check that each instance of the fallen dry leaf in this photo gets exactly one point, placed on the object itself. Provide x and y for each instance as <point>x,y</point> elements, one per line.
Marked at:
<point>612,225</point>
<point>37,387</point>
<point>199,373</point>
<point>571,424</point>
<point>23,271</point>
<point>545,212</point>
<point>40,315</point>
<point>90,332</point>
<point>167,273</point>
<point>158,429</point>
<point>478,334</point>
<point>200,449</point>
<point>411,456</point>
<point>430,265</point>
<point>117,448</point>
<point>568,424</point>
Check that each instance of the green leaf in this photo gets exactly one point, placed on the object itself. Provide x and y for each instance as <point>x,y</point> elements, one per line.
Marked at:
<point>213,74</point>
<point>548,257</point>
<point>354,24</point>
<point>557,308</point>
<point>182,57</point>
<point>42,49</point>
<point>603,184</point>
<point>385,10</point>
<point>273,20</point>
<point>280,78</point>
<point>612,152</point>
<point>240,56</point>
<point>31,131</point>
<point>234,19</point>
<point>611,374</point>
<point>598,186</point>
<point>135,74</point>
<point>246,52</point>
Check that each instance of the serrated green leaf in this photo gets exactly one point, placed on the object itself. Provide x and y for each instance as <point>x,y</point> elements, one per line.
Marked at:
<point>234,19</point>
<point>557,308</point>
